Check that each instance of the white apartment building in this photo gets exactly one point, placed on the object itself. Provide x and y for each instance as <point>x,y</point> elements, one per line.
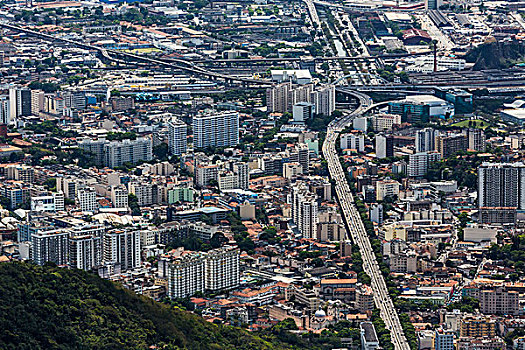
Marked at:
<point>204,174</point>
<point>50,203</point>
<point>177,137</point>
<point>353,141</point>
<point>69,186</point>
<point>186,275</point>
<point>222,268</point>
<point>144,192</point>
<point>37,101</point>
<point>304,210</point>
<point>50,246</point>
<point>385,122</point>
<point>85,251</point>
<point>216,130</point>
<point>192,272</point>
<point>426,140</point>
<point>5,117</point>
<point>386,188</point>
<point>324,100</point>
<point>122,247</point>
<point>119,196</point>
<point>117,153</point>
<point>87,199</point>
<point>419,163</point>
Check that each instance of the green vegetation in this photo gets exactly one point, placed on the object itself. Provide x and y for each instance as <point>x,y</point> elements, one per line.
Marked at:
<point>467,304</point>
<point>478,124</point>
<point>55,308</point>
<point>461,168</point>
<point>511,255</point>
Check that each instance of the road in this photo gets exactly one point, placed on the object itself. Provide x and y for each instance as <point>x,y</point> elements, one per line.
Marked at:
<point>355,225</point>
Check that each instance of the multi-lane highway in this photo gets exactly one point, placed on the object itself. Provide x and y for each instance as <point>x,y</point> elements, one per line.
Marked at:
<point>355,226</point>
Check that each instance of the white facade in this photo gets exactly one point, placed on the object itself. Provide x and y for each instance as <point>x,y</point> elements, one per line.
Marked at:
<point>222,269</point>
<point>386,188</point>
<point>304,210</point>
<point>119,196</point>
<point>302,111</point>
<point>5,117</point>
<point>186,275</point>
<point>353,141</point>
<point>85,251</point>
<point>122,247</point>
<point>217,130</point>
<point>87,200</point>
<point>426,140</point>
<point>50,246</point>
<point>177,137</point>
<point>51,203</point>
<point>324,100</point>
<point>419,163</point>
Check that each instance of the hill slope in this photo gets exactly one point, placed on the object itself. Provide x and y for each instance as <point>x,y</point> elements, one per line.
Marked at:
<point>54,308</point>
<point>495,54</point>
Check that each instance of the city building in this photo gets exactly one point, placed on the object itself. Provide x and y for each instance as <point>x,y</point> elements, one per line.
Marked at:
<point>216,130</point>
<point>499,301</point>
<point>353,141</point>
<point>426,140</point>
<point>122,247</point>
<point>369,340</point>
<point>85,251</point>
<point>177,137</point>
<point>448,145</point>
<point>222,269</point>
<point>302,111</point>
<point>500,191</point>
<point>420,108</point>
<point>186,275</point>
<point>50,246</point>
<point>87,199</point>
<point>384,146</point>
<point>386,188</point>
<point>419,163</point>
<point>304,210</point>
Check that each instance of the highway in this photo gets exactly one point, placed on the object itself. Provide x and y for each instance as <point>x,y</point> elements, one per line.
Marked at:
<point>355,225</point>
<point>183,64</point>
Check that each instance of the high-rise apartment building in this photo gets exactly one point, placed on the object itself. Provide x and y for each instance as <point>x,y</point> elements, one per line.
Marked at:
<point>477,327</point>
<point>499,301</point>
<point>85,251</point>
<point>448,145</point>
<point>186,275</point>
<point>122,247</point>
<point>50,246</point>
<point>222,268</point>
<point>501,191</point>
<point>177,137</point>
<point>216,130</point>
<point>476,140</point>
<point>5,117</point>
<point>87,199</point>
<point>324,100</point>
<point>426,140</point>
<point>353,141</point>
<point>419,163</point>
<point>384,146</point>
<point>119,196</point>
<point>115,153</point>
<point>191,272</point>
<point>19,102</point>
<point>304,210</point>
<point>37,101</point>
